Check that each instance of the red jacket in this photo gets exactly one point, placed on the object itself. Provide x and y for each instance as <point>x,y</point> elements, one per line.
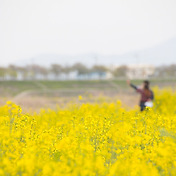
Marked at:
<point>144,97</point>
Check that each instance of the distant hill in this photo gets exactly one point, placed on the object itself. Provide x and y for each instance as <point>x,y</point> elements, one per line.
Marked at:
<point>164,53</point>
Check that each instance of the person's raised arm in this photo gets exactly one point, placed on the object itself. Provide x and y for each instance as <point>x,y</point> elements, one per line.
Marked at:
<point>131,85</point>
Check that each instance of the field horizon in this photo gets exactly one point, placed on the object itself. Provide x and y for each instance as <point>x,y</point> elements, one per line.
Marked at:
<point>36,95</point>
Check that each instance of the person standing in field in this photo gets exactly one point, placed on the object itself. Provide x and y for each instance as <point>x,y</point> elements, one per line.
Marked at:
<point>147,95</point>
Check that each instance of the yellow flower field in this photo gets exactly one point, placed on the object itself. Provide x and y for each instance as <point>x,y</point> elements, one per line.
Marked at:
<point>90,139</point>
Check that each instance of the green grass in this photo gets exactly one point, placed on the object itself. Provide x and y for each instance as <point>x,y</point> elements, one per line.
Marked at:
<point>12,88</point>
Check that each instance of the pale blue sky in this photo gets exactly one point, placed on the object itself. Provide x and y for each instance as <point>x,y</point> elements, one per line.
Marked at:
<point>32,27</point>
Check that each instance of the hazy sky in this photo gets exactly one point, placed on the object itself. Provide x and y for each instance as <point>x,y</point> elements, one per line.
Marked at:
<point>32,27</point>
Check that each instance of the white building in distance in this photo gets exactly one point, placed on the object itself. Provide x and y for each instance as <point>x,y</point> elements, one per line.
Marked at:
<point>140,71</point>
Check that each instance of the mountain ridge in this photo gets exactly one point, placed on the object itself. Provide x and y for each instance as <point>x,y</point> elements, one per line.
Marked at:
<point>163,53</point>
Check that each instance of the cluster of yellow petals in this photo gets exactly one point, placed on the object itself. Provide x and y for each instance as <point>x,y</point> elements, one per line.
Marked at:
<point>90,139</point>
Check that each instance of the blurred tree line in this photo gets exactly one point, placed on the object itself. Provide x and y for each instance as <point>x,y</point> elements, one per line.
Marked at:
<point>32,72</point>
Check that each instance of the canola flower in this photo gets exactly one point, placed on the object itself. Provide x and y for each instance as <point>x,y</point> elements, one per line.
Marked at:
<point>91,139</point>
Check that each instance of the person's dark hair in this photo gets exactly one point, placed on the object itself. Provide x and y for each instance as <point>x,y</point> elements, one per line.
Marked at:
<point>146,88</point>
<point>146,82</point>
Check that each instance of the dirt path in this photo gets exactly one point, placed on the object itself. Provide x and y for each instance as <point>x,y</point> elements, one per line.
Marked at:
<point>34,101</point>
